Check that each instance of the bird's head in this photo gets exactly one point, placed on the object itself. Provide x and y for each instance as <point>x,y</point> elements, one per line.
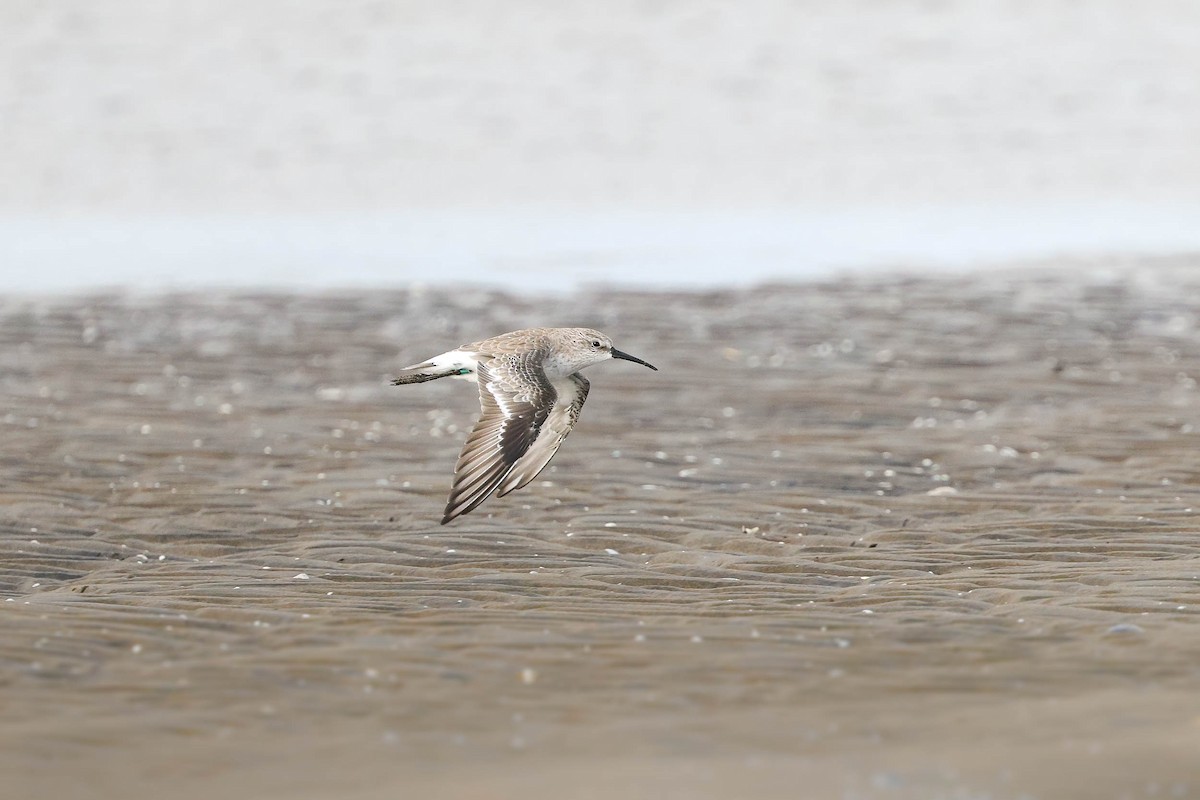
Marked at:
<point>595,347</point>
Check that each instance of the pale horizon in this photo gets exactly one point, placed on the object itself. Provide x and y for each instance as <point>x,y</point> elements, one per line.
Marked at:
<point>322,144</point>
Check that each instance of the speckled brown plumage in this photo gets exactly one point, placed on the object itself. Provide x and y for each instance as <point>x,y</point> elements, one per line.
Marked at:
<point>530,397</point>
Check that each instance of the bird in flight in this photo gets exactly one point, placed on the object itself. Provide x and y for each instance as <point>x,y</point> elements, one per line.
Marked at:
<point>530,396</point>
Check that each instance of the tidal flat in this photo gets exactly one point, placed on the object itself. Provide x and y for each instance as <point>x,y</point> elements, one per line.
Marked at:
<point>886,537</point>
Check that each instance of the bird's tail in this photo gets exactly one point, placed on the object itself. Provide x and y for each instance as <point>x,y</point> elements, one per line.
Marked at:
<point>419,373</point>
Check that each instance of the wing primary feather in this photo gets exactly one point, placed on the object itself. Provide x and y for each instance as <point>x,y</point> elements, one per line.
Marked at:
<point>515,400</point>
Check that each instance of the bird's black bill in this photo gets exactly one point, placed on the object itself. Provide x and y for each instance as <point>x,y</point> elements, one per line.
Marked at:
<point>618,354</point>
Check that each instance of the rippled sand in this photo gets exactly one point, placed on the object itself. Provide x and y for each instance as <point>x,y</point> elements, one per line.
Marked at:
<point>896,538</point>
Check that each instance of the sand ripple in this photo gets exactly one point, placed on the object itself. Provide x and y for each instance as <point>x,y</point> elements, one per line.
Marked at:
<point>844,515</point>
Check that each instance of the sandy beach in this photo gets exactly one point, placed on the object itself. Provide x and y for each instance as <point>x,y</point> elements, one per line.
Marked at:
<point>886,538</point>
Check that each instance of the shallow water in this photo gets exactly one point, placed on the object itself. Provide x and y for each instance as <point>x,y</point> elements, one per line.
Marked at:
<point>887,538</point>
<point>542,250</point>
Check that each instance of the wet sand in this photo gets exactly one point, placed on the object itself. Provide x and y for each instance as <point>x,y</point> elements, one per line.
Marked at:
<point>885,538</point>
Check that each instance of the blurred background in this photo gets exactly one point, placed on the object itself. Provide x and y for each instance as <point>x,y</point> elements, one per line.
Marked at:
<point>313,143</point>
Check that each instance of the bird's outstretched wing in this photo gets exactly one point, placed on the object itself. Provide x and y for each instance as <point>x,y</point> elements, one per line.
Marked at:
<point>558,424</point>
<point>515,399</point>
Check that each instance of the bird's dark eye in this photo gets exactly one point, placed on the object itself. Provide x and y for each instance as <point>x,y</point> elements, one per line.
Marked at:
<point>595,343</point>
